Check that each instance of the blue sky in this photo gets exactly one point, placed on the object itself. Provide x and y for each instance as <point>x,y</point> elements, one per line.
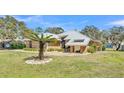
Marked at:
<point>71,22</point>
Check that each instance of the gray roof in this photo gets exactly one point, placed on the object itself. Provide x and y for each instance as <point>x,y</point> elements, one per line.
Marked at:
<point>52,35</point>
<point>75,35</point>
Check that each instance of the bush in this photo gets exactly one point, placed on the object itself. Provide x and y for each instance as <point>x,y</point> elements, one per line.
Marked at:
<point>60,50</point>
<point>94,46</point>
<point>17,45</point>
<point>50,49</point>
<point>91,49</point>
<point>30,49</point>
<point>103,48</point>
<point>55,49</point>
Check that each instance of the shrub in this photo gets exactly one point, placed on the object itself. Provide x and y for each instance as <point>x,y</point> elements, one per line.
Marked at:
<point>30,49</point>
<point>103,48</point>
<point>94,46</point>
<point>91,49</point>
<point>21,46</point>
<point>50,49</point>
<point>17,45</point>
<point>55,49</point>
<point>13,46</point>
<point>60,50</point>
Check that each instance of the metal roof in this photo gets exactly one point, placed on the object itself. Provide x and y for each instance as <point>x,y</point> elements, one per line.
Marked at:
<point>52,35</point>
<point>75,35</point>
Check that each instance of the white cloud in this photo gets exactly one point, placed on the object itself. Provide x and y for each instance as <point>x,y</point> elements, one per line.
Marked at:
<point>39,21</point>
<point>49,24</point>
<point>118,22</point>
<point>29,19</point>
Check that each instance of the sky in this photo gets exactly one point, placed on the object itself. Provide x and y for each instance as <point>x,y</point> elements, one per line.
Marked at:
<point>71,22</point>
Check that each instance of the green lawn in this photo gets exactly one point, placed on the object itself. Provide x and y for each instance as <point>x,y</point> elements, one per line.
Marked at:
<point>105,64</point>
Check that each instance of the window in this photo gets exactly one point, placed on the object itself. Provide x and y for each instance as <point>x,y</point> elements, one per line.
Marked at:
<point>80,40</point>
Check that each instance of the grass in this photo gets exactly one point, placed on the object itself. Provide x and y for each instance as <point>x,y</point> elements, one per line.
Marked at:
<point>102,64</point>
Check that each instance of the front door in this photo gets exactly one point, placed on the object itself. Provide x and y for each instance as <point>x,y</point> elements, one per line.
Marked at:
<point>30,44</point>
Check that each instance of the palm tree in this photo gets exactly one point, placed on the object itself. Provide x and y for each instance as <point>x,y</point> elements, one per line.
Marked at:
<point>41,38</point>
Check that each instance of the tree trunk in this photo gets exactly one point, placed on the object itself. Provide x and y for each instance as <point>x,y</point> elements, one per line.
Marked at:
<point>119,45</point>
<point>41,50</point>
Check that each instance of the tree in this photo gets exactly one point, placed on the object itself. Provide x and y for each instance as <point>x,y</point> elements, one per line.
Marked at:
<point>12,28</point>
<point>21,27</point>
<point>1,22</point>
<point>104,34</point>
<point>8,26</point>
<point>116,36</point>
<point>1,34</point>
<point>1,28</point>
<point>92,32</point>
<point>55,30</point>
<point>41,38</point>
<point>38,29</point>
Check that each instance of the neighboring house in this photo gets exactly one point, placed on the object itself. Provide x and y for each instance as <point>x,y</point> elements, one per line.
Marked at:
<point>5,43</point>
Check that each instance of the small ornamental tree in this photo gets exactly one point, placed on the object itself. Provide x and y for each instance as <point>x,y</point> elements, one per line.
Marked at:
<point>41,38</point>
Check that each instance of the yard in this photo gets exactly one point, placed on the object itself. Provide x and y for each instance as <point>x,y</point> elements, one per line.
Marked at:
<point>101,64</point>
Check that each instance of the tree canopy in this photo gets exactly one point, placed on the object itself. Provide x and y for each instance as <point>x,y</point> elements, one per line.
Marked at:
<point>92,32</point>
<point>54,30</point>
<point>11,28</point>
<point>116,35</point>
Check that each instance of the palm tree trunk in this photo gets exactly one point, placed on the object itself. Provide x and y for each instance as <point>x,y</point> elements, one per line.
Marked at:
<point>41,50</point>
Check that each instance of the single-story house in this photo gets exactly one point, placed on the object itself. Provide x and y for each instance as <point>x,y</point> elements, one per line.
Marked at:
<point>74,42</point>
<point>77,42</point>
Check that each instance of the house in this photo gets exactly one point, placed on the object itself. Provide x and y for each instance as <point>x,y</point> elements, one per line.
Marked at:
<point>5,43</point>
<point>73,42</point>
<point>77,42</point>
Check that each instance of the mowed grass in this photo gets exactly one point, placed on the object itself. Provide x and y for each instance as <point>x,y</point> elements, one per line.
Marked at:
<point>102,64</point>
